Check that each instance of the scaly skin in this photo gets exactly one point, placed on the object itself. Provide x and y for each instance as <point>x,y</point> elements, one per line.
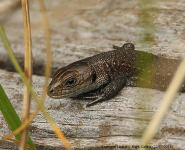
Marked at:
<point>102,76</point>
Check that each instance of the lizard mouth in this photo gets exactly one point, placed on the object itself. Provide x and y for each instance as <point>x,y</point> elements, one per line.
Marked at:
<point>66,93</point>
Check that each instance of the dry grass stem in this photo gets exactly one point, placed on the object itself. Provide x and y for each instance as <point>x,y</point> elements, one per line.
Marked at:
<point>27,70</point>
<point>169,96</point>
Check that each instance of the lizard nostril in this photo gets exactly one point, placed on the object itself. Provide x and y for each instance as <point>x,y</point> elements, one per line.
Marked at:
<point>51,91</point>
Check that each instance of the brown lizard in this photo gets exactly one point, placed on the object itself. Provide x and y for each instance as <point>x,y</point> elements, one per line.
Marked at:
<point>102,76</point>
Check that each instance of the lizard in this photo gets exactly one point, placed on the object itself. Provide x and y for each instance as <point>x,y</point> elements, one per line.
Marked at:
<point>102,76</point>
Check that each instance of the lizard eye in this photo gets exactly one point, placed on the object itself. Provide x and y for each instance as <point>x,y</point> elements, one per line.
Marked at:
<point>70,82</point>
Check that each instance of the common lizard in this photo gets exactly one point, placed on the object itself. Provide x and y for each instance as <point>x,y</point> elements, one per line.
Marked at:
<point>102,76</point>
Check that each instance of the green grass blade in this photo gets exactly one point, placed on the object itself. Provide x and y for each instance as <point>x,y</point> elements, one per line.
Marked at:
<point>34,95</point>
<point>10,115</point>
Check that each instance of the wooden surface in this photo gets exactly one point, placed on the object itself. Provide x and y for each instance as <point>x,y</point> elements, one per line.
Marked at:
<point>119,121</point>
<point>80,31</point>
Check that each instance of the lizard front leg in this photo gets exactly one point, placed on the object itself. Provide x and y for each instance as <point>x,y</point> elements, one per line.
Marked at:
<point>110,90</point>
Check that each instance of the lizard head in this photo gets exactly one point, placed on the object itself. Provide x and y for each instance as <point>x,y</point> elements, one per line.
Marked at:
<point>72,80</point>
